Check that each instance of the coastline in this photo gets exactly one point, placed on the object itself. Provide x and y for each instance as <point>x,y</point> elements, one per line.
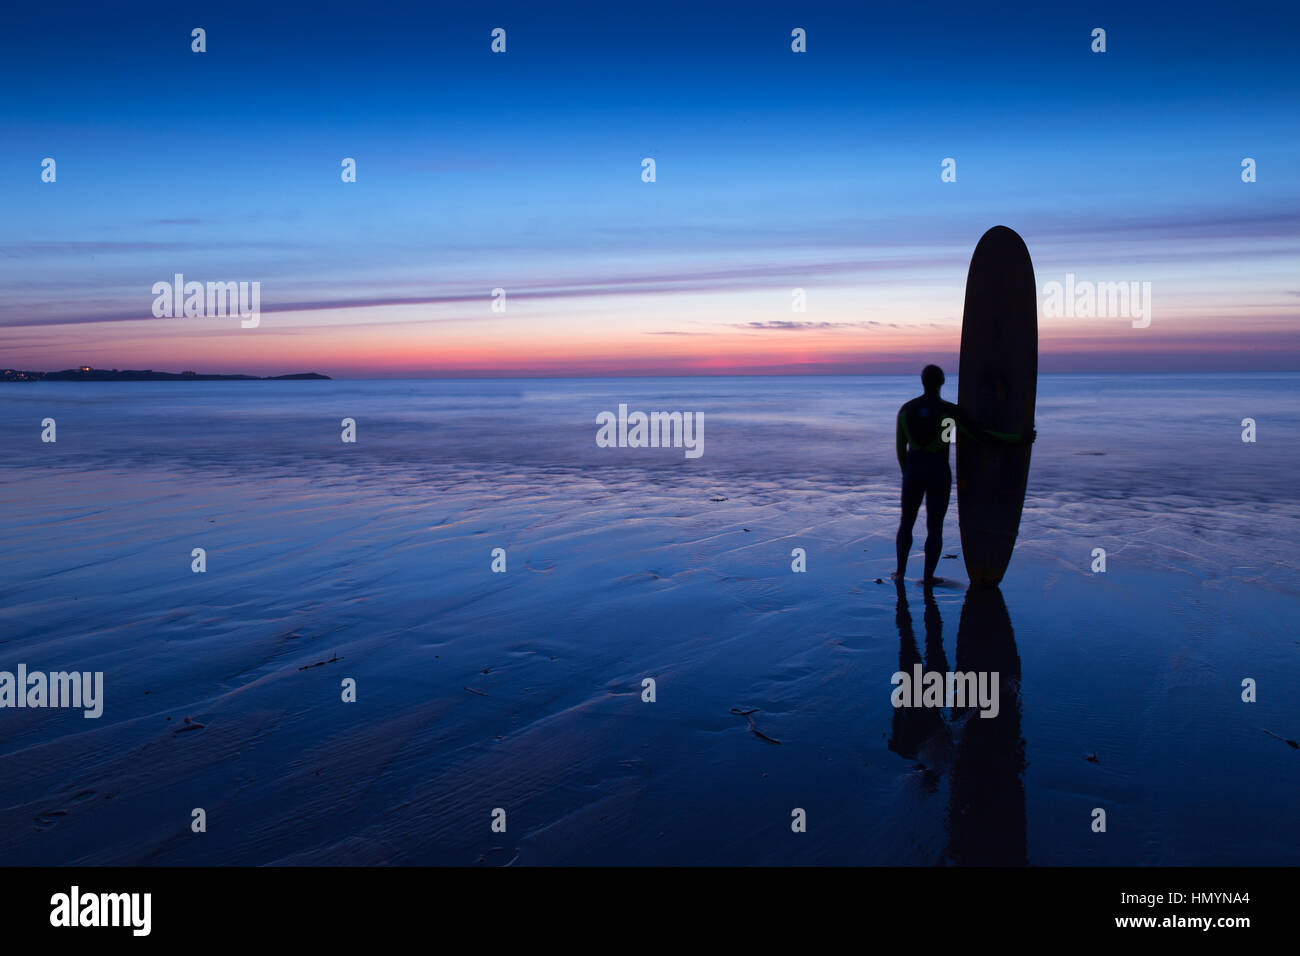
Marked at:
<point>86,374</point>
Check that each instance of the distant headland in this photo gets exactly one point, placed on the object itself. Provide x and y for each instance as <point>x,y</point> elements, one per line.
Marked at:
<point>85,373</point>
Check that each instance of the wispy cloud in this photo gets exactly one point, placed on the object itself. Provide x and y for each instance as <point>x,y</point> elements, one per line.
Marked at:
<point>792,325</point>
<point>730,278</point>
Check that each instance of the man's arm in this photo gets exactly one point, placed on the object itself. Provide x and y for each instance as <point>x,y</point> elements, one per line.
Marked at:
<point>900,440</point>
<point>1007,438</point>
<point>972,429</point>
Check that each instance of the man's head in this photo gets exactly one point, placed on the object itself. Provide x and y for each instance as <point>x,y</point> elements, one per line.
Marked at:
<point>932,379</point>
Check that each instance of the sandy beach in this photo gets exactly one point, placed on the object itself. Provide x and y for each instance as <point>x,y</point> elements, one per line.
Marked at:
<point>523,690</point>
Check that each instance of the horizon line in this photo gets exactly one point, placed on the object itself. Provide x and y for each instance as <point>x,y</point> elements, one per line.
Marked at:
<point>288,376</point>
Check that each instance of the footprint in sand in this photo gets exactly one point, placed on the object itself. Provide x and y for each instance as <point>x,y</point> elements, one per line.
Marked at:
<point>49,818</point>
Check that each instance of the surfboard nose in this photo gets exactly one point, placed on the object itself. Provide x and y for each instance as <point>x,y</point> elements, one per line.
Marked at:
<point>1002,236</point>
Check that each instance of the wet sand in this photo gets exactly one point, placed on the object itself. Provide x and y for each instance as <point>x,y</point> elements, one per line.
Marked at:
<point>523,690</point>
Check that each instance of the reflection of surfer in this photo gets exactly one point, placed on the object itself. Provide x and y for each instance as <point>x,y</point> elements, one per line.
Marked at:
<point>983,755</point>
<point>921,731</point>
<point>927,425</point>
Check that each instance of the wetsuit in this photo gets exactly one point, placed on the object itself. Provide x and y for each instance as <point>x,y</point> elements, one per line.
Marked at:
<point>926,427</point>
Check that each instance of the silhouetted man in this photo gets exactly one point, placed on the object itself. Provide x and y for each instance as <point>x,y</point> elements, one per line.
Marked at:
<point>927,425</point>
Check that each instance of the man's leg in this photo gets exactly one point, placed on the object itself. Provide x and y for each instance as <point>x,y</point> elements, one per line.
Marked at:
<point>936,507</point>
<point>913,492</point>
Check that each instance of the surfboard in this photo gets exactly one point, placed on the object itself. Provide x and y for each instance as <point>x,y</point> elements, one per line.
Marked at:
<point>997,386</point>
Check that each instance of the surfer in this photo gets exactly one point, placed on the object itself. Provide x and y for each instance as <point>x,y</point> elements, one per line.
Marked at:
<point>927,425</point>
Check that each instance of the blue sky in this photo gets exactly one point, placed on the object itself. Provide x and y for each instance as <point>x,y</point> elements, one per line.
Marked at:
<point>774,170</point>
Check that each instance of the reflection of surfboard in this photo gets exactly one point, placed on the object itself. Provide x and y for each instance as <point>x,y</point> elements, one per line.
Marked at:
<point>996,387</point>
<point>986,784</point>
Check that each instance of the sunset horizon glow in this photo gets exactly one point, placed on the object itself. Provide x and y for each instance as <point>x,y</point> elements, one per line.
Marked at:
<point>522,171</point>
